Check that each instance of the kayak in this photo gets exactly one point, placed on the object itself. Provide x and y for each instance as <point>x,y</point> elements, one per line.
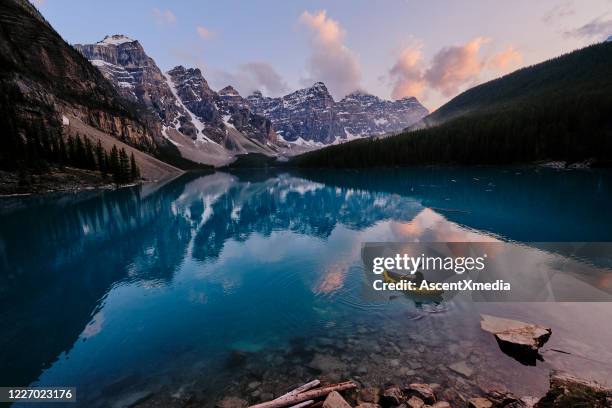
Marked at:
<point>391,277</point>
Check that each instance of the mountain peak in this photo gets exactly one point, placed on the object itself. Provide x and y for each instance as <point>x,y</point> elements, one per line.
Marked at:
<point>319,85</point>
<point>116,39</point>
<point>609,39</point>
<point>408,99</point>
<point>229,91</point>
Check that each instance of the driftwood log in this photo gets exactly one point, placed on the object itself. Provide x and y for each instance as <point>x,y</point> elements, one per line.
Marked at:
<point>302,404</point>
<point>290,399</point>
<point>302,388</point>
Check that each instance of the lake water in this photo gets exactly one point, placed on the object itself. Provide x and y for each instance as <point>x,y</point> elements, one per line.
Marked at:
<point>186,291</point>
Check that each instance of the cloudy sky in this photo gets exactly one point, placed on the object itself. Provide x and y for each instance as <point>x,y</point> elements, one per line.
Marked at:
<point>391,48</point>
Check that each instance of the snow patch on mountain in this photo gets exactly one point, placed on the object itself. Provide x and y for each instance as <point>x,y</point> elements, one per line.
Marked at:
<point>311,114</point>
<point>201,136</point>
<point>116,39</point>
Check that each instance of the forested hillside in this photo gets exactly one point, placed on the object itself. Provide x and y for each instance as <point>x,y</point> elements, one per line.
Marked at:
<point>556,110</point>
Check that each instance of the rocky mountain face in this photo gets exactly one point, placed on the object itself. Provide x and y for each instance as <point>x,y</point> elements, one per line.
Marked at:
<point>360,114</point>
<point>220,124</point>
<point>218,113</point>
<point>307,114</point>
<point>312,116</point>
<point>42,78</point>
<point>191,91</point>
<point>137,77</point>
<point>237,112</point>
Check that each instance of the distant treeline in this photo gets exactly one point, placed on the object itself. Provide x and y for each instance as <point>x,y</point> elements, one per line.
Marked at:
<point>558,110</point>
<point>570,130</point>
<point>40,150</point>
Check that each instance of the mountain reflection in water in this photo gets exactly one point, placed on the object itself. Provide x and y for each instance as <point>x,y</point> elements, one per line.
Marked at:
<point>156,286</point>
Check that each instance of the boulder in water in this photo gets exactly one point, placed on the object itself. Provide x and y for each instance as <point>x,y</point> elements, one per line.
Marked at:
<point>518,339</point>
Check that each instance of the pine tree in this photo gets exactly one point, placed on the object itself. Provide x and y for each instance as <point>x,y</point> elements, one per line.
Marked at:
<point>62,154</point>
<point>79,152</point>
<point>113,163</point>
<point>100,158</point>
<point>124,166</point>
<point>89,159</point>
<point>71,151</point>
<point>134,170</point>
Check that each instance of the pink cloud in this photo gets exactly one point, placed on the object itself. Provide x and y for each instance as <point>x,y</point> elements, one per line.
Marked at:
<point>455,66</point>
<point>330,61</point>
<point>204,32</point>
<point>450,69</point>
<point>407,74</point>
<point>508,58</point>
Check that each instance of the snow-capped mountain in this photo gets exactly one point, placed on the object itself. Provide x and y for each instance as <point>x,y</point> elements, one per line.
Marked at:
<point>304,115</point>
<point>212,127</point>
<point>237,112</point>
<point>136,76</point>
<point>311,116</point>
<point>206,126</point>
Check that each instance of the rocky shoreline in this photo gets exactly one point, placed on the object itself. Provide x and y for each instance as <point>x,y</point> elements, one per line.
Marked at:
<point>455,371</point>
<point>68,179</point>
<point>565,391</point>
<point>519,340</point>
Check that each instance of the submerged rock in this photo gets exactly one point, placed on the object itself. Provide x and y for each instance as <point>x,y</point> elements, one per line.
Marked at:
<point>232,402</point>
<point>568,391</point>
<point>335,400</point>
<point>462,368</point>
<point>326,363</point>
<point>254,385</point>
<point>518,339</point>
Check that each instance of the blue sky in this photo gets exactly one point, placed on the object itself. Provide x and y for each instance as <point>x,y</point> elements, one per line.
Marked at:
<point>391,48</point>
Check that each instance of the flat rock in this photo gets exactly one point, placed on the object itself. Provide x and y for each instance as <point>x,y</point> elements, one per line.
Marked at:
<point>517,339</point>
<point>479,403</point>
<point>462,368</point>
<point>415,402</point>
<point>423,391</point>
<point>441,404</point>
<point>232,402</point>
<point>335,400</point>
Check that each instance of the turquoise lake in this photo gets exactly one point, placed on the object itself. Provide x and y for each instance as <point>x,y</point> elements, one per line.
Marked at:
<point>190,290</point>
